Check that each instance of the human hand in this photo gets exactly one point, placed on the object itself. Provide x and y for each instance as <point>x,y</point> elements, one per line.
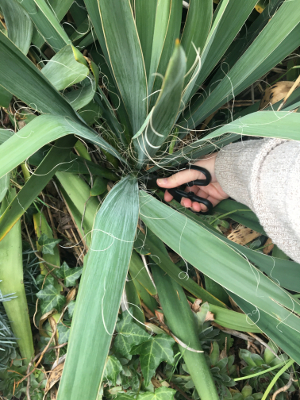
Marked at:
<point>212,192</point>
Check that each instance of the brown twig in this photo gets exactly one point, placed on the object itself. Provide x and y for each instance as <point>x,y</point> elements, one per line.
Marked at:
<point>284,388</point>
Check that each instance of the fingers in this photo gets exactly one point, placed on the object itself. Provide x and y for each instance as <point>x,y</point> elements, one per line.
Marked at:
<point>180,178</point>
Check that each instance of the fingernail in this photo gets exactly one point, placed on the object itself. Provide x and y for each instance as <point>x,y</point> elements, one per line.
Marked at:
<point>162,181</point>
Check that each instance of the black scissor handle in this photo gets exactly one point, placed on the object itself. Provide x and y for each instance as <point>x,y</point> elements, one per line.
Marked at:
<point>200,182</point>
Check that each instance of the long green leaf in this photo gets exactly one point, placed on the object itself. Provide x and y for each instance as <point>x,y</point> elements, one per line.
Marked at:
<point>180,320</point>
<point>281,124</point>
<point>46,23</point>
<point>19,25</point>
<point>161,15</point>
<point>196,28</point>
<point>165,110</point>
<point>25,81</point>
<point>274,43</point>
<point>123,47</point>
<point>35,184</point>
<point>173,33</point>
<point>203,249</point>
<point>282,271</point>
<point>12,282</point>
<point>280,333</point>
<point>100,292</point>
<point>145,13</point>
<point>39,132</point>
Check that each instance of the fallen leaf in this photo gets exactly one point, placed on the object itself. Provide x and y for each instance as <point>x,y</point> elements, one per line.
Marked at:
<point>160,316</point>
<point>275,93</point>
<point>54,377</point>
<point>243,235</point>
<point>53,393</point>
<point>196,305</point>
<point>209,316</point>
<point>268,247</point>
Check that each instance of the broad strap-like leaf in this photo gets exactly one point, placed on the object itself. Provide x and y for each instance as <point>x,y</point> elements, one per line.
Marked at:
<point>165,110</point>
<point>277,124</point>
<point>46,23</point>
<point>18,23</point>
<point>100,292</point>
<point>50,299</point>
<point>24,80</point>
<point>145,15</point>
<point>152,352</point>
<point>125,57</point>
<point>203,249</point>
<point>283,336</point>
<point>272,45</point>
<point>41,131</point>
<point>129,334</point>
<point>63,70</point>
<point>196,28</point>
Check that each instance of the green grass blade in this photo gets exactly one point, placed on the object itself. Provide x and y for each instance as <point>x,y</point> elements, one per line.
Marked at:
<point>138,272</point>
<point>166,109</point>
<point>25,81</point>
<point>35,184</point>
<point>46,23</point>
<point>39,132</point>
<point>123,46</point>
<point>196,29</point>
<point>203,249</point>
<point>18,23</point>
<point>100,292</point>
<point>145,12</point>
<point>12,282</point>
<point>181,322</point>
<point>64,70</point>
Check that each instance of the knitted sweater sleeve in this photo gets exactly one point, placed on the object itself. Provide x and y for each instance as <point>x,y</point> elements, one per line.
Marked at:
<point>265,175</point>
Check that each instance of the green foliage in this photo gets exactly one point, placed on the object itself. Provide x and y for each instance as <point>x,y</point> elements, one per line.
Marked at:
<point>110,73</point>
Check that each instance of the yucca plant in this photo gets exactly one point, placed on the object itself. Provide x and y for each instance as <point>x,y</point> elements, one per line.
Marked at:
<point>164,70</point>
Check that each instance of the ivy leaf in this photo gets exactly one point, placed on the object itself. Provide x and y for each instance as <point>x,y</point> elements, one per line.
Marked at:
<point>161,393</point>
<point>112,369</point>
<point>51,298</point>
<point>70,275</point>
<point>63,333</point>
<point>71,307</point>
<point>152,353</point>
<point>47,244</point>
<point>129,335</point>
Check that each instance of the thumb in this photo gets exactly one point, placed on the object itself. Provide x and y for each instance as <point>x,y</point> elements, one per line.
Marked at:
<point>180,178</point>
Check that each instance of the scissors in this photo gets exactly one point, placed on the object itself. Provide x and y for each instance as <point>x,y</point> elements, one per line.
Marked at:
<point>178,192</point>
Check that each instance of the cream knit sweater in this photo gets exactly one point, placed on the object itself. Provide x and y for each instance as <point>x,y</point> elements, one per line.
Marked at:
<point>265,175</point>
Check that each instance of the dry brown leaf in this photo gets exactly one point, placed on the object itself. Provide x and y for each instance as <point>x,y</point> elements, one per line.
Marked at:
<point>209,316</point>
<point>43,318</point>
<point>71,295</point>
<point>53,393</point>
<point>268,246</point>
<point>54,377</point>
<point>275,93</point>
<point>196,305</point>
<point>160,316</point>
<point>174,257</point>
<point>243,235</point>
<point>155,383</point>
<point>53,325</point>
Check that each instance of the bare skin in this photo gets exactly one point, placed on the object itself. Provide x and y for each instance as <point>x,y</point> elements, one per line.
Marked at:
<point>213,192</point>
